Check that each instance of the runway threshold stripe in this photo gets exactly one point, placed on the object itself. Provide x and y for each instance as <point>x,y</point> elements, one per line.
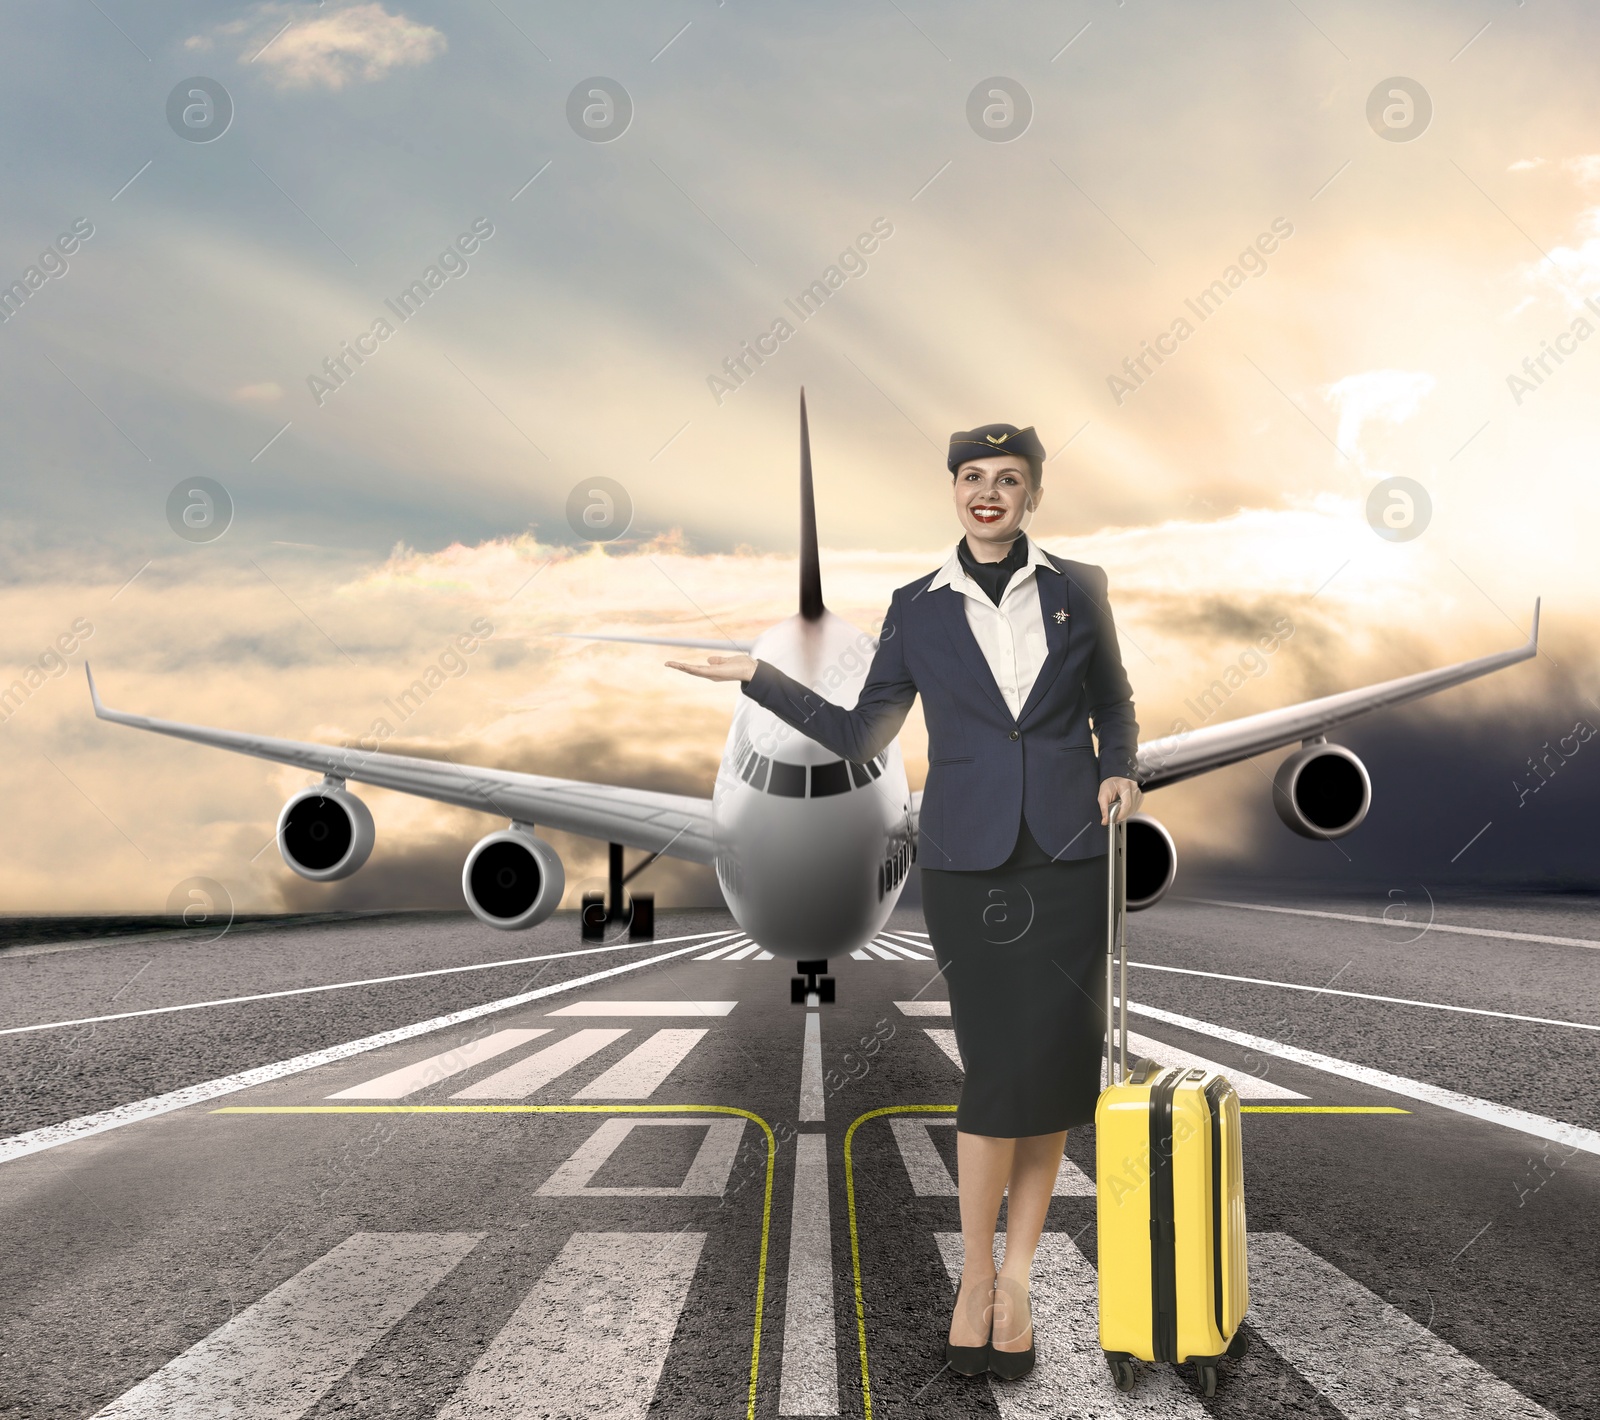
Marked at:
<point>749,949</point>
<point>407,1080</point>
<point>700,937</point>
<point>883,952</point>
<point>922,949</point>
<point>812,1103</point>
<point>810,1376</point>
<point>1396,922</point>
<point>591,1338</point>
<point>278,1357</point>
<point>925,1165</point>
<point>716,952</point>
<point>1368,1359</point>
<point>924,1008</point>
<point>707,1176</point>
<point>50,1136</point>
<point>534,1071</point>
<point>1367,996</point>
<point>860,955</point>
<point>1521,1120</point>
<point>1321,1109</point>
<point>1066,1309</point>
<point>643,1070</point>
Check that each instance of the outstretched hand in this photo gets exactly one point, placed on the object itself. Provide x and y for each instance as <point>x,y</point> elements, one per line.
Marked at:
<point>735,667</point>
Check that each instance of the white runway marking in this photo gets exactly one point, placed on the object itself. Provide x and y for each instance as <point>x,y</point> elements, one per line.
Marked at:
<point>810,1374</point>
<point>376,981</point>
<point>716,952</point>
<point>860,955</point>
<point>811,1098</point>
<point>640,1073</point>
<point>1370,1360</point>
<point>1071,1377</point>
<point>49,1136</point>
<point>407,1080</point>
<point>762,956</point>
<point>645,1008</point>
<point>277,1358</point>
<point>924,1008</point>
<point>1246,1085</point>
<point>707,1176</point>
<point>534,1071</point>
<point>1367,996</point>
<point>930,1178</point>
<point>883,952</point>
<point>901,950</point>
<point>897,939</point>
<point>1396,922</point>
<point>591,1337</point>
<point>749,949</point>
<point>1535,1124</point>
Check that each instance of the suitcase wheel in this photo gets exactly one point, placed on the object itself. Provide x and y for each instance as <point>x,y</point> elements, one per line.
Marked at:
<point>1239,1345</point>
<point>1122,1372</point>
<point>1206,1372</point>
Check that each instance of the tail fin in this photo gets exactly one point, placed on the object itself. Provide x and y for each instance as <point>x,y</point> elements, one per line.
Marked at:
<point>811,607</point>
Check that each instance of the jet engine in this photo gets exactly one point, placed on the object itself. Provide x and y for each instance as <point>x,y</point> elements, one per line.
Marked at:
<point>1322,790</point>
<point>325,833</point>
<point>1152,860</point>
<point>513,879</point>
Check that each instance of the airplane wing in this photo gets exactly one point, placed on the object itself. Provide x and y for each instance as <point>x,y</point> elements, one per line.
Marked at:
<point>696,643</point>
<point>674,825</point>
<point>1181,756</point>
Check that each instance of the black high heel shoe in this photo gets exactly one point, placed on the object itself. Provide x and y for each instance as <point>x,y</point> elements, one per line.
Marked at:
<point>1010,1365</point>
<point>970,1360</point>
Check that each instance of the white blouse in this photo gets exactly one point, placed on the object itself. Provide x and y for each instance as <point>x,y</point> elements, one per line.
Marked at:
<point>1011,635</point>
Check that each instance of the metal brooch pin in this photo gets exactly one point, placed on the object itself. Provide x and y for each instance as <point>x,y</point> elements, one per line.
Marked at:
<point>1061,616</point>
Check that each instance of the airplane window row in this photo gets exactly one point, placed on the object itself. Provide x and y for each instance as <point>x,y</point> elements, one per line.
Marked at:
<point>800,781</point>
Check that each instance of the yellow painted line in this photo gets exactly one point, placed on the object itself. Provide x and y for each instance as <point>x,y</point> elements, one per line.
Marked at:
<point>766,1203</point>
<point>1321,1109</point>
<point>855,1245</point>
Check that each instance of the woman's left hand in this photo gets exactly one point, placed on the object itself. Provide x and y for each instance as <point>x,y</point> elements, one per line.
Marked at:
<point>1123,791</point>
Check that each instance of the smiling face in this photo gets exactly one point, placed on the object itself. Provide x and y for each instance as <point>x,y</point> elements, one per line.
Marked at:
<point>994,499</point>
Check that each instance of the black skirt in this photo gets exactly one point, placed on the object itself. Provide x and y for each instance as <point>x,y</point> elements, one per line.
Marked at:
<point>1022,949</point>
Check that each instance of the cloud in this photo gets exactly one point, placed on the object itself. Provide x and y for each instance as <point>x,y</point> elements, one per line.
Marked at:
<point>302,47</point>
<point>1391,395</point>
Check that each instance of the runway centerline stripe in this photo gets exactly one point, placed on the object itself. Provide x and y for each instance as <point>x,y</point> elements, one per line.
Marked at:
<point>592,1336</point>
<point>369,981</point>
<point>810,1375</point>
<point>924,1008</point>
<point>1065,1309</point>
<point>1367,1358</point>
<point>407,1080</point>
<point>532,1072</point>
<point>1396,922</point>
<point>645,1068</point>
<point>1521,1120</point>
<point>278,1357</point>
<point>766,1129</point>
<point>811,1097</point>
<point>49,1136</point>
<point>1367,996</point>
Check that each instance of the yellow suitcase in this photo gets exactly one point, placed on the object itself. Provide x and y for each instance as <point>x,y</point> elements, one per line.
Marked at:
<point>1169,1184</point>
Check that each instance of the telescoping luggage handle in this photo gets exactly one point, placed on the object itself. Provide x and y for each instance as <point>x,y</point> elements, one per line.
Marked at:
<point>1116,945</point>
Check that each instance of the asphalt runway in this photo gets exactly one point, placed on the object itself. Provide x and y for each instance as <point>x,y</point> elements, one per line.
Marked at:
<point>401,1165</point>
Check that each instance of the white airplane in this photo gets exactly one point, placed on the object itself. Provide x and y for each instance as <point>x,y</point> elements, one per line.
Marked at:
<point>811,851</point>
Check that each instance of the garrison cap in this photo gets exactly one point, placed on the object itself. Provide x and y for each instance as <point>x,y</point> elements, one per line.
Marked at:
<point>988,440</point>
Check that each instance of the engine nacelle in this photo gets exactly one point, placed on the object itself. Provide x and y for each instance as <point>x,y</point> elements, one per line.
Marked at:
<point>1322,791</point>
<point>1152,861</point>
<point>325,833</point>
<point>513,879</point>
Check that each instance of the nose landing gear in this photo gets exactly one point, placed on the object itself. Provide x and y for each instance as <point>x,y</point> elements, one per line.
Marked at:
<point>814,989</point>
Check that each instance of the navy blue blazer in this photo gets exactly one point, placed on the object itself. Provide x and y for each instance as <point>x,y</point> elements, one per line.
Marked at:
<point>987,771</point>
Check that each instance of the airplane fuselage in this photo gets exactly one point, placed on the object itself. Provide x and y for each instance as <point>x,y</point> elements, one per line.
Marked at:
<point>812,851</point>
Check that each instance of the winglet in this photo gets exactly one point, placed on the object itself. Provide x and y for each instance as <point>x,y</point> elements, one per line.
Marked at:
<point>94,695</point>
<point>1533,635</point>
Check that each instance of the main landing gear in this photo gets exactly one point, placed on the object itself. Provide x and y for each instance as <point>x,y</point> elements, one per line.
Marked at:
<point>637,909</point>
<point>814,988</point>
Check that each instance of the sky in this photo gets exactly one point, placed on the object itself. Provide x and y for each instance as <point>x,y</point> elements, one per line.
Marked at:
<point>1242,265</point>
